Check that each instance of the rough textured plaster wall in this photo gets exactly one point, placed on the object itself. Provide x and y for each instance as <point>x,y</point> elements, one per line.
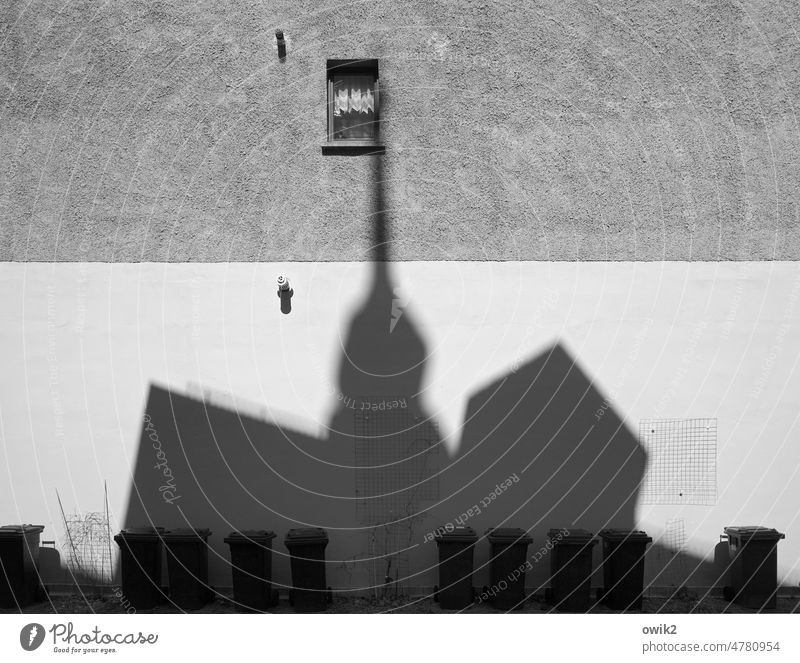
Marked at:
<point>547,130</point>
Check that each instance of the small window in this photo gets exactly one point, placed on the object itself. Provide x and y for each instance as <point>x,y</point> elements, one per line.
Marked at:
<point>353,102</point>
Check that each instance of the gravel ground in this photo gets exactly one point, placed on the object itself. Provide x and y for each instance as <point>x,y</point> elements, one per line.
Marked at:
<point>685,604</point>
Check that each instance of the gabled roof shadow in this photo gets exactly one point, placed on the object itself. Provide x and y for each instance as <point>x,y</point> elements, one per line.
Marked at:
<point>547,422</point>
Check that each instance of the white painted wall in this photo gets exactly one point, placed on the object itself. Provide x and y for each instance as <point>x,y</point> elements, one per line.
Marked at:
<point>81,343</point>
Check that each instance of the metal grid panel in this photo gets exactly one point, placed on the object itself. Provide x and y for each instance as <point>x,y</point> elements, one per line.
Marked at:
<point>671,554</point>
<point>682,461</point>
<point>390,554</point>
<point>88,546</point>
<point>397,461</point>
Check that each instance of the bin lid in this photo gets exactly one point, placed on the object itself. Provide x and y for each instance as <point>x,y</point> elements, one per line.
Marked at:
<point>187,534</point>
<point>456,535</point>
<point>754,532</point>
<point>8,531</point>
<point>302,535</point>
<point>250,535</point>
<point>510,535</point>
<point>571,536</point>
<point>140,533</point>
<point>632,535</point>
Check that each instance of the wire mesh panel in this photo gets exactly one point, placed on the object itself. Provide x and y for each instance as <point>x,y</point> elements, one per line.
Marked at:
<point>396,460</point>
<point>675,536</point>
<point>671,554</point>
<point>88,547</point>
<point>389,554</point>
<point>682,461</point>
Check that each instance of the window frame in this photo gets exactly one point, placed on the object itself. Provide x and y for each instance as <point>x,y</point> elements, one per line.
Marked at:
<point>353,67</point>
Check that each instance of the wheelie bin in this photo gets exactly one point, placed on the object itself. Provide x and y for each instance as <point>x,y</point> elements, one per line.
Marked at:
<point>140,560</point>
<point>19,565</point>
<point>571,569</point>
<point>509,564</point>
<point>307,548</point>
<point>251,567</point>
<point>187,567</point>
<point>623,568</point>
<point>753,555</point>
<point>456,548</point>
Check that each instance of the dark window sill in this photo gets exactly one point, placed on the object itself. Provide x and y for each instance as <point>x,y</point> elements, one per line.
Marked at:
<point>353,147</point>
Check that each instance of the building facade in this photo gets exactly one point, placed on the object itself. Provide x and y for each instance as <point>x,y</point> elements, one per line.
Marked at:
<point>560,284</point>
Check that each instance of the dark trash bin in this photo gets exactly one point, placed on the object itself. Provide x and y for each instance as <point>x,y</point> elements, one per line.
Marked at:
<point>456,548</point>
<point>251,567</point>
<point>623,568</point>
<point>140,561</point>
<point>19,565</point>
<point>753,561</point>
<point>571,569</point>
<point>187,567</point>
<point>307,549</point>
<point>509,547</point>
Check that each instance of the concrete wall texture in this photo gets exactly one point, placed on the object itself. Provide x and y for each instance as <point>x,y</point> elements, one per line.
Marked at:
<point>547,130</point>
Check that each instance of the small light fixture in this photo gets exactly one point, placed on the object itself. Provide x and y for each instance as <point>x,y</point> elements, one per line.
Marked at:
<point>281,42</point>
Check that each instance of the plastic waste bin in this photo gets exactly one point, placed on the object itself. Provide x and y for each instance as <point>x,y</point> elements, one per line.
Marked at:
<point>307,548</point>
<point>140,559</point>
<point>753,555</point>
<point>509,549</point>
<point>187,567</point>
<point>19,565</point>
<point>251,566</point>
<point>571,569</point>
<point>456,548</point>
<point>623,568</point>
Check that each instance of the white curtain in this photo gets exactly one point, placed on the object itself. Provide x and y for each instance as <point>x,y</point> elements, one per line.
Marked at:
<point>353,94</point>
<point>354,107</point>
